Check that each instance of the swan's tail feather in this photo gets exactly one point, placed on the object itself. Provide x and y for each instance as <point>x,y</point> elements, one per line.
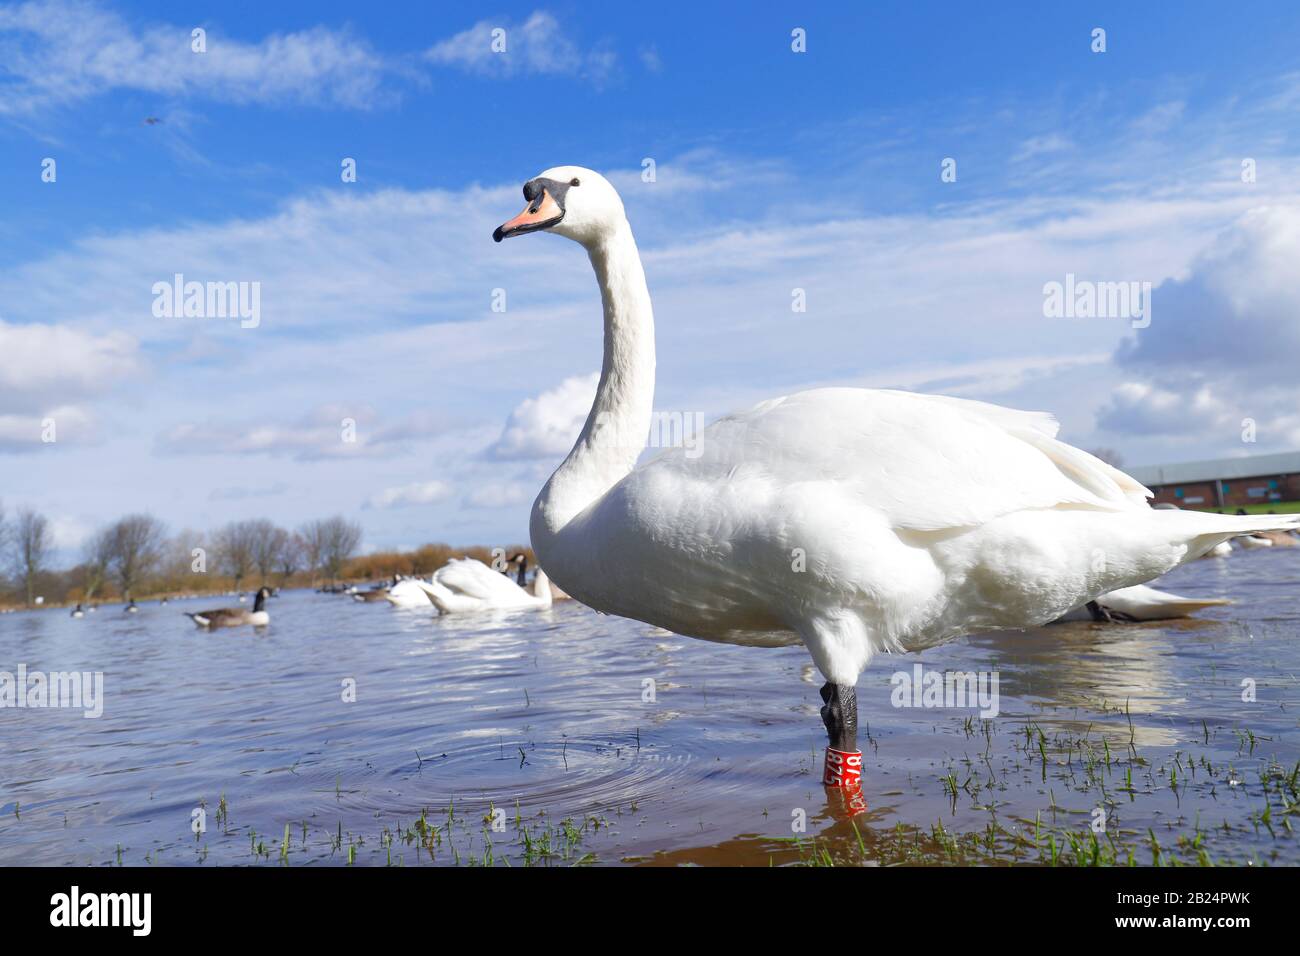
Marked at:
<point>1188,606</point>
<point>1207,531</point>
<point>438,594</point>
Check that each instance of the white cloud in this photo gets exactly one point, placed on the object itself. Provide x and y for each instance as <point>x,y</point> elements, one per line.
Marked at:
<point>328,431</point>
<point>57,52</point>
<point>377,304</point>
<point>1043,145</point>
<point>72,425</point>
<point>1141,408</point>
<point>1223,343</point>
<point>501,494</point>
<point>1236,312</point>
<point>650,58</point>
<point>68,533</point>
<point>418,493</point>
<point>547,426</point>
<point>539,45</point>
<point>45,364</point>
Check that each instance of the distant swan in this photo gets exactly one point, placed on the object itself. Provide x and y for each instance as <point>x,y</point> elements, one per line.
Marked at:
<point>856,520</point>
<point>464,584</point>
<point>235,616</point>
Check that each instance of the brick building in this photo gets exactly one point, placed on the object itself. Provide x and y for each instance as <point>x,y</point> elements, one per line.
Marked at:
<point>1224,484</point>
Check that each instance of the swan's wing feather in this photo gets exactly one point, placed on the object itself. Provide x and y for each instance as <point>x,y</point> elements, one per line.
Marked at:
<point>926,463</point>
<point>472,578</point>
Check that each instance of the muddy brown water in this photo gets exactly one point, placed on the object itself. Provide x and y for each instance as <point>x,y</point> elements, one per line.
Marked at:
<point>567,737</point>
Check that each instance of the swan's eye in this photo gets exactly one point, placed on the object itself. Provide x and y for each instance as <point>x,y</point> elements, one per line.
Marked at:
<point>574,181</point>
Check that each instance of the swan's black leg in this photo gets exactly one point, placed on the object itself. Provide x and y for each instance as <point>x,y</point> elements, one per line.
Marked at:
<point>1098,613</point>
<point>840,715</point>
<point>1106,615</point>
<point>843,770</point>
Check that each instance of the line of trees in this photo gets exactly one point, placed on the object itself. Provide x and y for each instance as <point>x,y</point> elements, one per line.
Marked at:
<point>135,557</point>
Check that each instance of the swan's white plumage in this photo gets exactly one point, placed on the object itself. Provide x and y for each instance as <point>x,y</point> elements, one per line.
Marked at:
<point>464,584</point>
<point>855,520</point>
<point>408,594</point>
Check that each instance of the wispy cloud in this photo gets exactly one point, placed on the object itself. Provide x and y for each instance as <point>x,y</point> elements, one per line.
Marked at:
<point>417,493</point>
<point>58,52</point>
<point>538,45</point>
<point>335,431</point>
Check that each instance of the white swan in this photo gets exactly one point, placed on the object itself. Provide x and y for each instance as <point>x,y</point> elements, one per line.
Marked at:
<point>464,584</point>
<point>855,520</point>
<point>407,593</point>
<point>1142,603</point>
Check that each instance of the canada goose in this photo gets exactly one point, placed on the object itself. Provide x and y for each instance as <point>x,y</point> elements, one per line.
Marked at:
<point>235,616</point>
<point>374,594</point>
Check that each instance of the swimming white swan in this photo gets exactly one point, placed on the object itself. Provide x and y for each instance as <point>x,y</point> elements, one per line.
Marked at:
<point>464,584</point>
<point>855,520</point>
<point>1142,603</point>
<point>407,593</point>
<point>235,616</point>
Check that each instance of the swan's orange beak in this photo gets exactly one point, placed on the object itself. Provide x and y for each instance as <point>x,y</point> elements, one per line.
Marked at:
<point>541,213</point>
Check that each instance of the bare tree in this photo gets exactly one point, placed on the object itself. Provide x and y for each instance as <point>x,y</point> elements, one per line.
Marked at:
<point>137,548</point>
<point>96,558</point>
<point>288,555</point>
<point>31,546</point>
<point>236,546</point>
<point>266,544</point>
<point>312,535</point>
<point>340,539</point>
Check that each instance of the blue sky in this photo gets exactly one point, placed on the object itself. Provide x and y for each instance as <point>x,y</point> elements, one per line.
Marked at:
<point>775,170</point>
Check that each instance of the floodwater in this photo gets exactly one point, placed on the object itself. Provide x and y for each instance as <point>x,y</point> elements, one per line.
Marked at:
<point>565,737</point>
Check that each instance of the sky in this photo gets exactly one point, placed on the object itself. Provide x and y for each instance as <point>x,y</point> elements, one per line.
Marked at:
<point>923,172</point>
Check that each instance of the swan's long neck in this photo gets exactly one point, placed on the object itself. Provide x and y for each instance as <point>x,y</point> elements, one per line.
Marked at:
<point>619,421</point>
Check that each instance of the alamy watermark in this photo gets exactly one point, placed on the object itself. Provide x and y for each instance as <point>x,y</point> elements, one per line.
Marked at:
<point>667,430</point>
<point>36,689</point>
<point>208,300</point>
<point>948,689</point>
<point>1084,299</point>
